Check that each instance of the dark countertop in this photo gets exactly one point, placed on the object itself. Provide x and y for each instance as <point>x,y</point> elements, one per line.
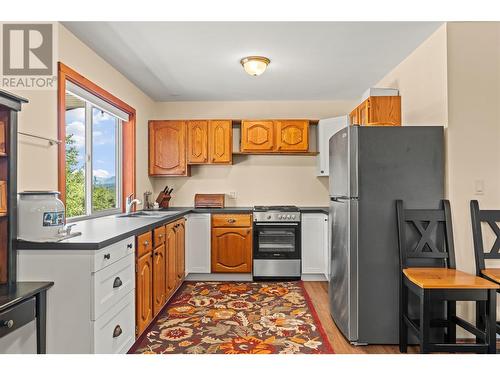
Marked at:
<point>101,232</point>
<point>20,291</point>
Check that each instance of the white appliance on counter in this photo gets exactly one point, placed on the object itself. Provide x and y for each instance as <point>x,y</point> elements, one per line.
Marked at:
<point>41,215</point>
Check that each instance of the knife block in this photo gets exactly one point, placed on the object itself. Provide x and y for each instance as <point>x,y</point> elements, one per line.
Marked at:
<point>163,200</point>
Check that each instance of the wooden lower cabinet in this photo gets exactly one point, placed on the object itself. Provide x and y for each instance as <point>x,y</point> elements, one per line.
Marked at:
<point>144,292</point>
<point>180,250</point>
<point>231,249</point>
<point>159,275</point>
<point>171,244</point>
<point>159,270</point>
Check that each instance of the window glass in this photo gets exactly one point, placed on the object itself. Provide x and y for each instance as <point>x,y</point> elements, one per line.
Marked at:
<point>75,156</point>
<point>104,160</point>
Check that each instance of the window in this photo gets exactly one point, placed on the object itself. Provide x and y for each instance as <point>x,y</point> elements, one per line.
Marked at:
<point>93,144</point>
<point>97,161</point>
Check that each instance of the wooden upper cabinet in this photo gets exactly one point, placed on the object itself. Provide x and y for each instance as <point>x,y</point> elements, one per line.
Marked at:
<point>378,110</point>
<point>232,250</point>
<point>197,149</point>
<point>159,265</point>
<point>384,110</point>
<point>167,148</point>
<point>144,292</point>
<point>257,136</point>
<point>292,135</point>
<point>220,138</point>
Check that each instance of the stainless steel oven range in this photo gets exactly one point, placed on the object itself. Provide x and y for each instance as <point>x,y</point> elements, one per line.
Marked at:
<point>276,243</point>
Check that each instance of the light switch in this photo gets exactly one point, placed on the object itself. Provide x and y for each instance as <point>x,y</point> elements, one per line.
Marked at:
<point>232,195</point>
<point>479,187</point>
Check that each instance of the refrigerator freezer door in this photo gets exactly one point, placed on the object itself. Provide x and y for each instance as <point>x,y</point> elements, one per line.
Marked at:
<point>342,288</point>
<point>343,152</point>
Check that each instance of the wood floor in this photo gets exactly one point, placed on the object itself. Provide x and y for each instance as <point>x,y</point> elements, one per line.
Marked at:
<point>318,291</point>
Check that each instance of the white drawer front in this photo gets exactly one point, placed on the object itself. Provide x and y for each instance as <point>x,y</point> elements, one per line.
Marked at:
<point>114,332</point>
<point>113,253</point>
<point>111,284</point>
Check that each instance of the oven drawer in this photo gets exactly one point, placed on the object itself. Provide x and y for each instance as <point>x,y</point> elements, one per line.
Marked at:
<point>231,220</point>
<point>17,316</point>
<point>114,332</point>
<point>112,284</point>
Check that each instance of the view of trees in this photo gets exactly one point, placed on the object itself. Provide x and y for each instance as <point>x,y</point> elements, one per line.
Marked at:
<point>103,196</point>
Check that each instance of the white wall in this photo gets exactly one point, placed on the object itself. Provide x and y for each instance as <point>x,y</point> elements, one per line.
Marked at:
<point>37,160</point>
<point>256,179</point>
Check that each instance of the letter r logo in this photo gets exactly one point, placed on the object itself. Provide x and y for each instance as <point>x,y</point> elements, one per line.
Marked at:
<point>27,49</point>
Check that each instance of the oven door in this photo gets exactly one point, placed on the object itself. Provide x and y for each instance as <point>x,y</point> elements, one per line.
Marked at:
<point>276,241</point>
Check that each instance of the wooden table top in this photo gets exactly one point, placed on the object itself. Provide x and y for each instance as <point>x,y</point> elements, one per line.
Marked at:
<point>444,278</point>
<point>492,273</point>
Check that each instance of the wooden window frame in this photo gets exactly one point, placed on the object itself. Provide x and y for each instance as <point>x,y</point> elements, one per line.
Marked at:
<point>65,73</point>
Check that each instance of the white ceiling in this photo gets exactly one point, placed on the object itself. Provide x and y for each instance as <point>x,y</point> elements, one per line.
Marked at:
<point>191,61</point>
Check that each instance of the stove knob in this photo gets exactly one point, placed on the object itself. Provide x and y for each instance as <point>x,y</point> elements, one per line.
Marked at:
<point>280,217</point>
<point>269,217</point>
<point>288,216</point>
<point>293,216</point>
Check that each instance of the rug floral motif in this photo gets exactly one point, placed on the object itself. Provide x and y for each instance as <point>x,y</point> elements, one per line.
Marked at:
<point>237,318</point>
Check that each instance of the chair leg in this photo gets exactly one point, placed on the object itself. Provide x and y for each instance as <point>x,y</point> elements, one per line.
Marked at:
<point>490,318</point>
<point>425,321</point>
<point>403,311</point>
<point>480,317</point>
<point>451,311</point>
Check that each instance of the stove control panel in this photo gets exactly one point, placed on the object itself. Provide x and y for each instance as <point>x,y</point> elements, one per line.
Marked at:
<point>276,216</point>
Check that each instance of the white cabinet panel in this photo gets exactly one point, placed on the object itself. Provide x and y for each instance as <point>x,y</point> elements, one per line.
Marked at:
<point>198,243</point>
<point>315,243</point>
<point>327,128</point>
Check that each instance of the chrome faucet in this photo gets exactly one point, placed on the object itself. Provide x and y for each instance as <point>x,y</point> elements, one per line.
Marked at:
<point>130,202</point>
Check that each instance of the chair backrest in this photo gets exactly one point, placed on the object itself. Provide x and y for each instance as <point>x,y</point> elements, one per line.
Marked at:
<point>425,236</point>
<point>492,217</point>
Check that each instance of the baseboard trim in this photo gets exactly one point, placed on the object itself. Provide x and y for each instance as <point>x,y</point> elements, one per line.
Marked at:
<point>313,277</point>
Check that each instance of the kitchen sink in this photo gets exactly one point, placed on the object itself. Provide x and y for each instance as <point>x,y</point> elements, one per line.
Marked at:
<point>150,214</point>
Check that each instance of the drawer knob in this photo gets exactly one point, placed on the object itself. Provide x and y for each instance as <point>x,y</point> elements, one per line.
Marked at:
<point>160,235</point>
<point>129,246</point>
<point>107,256</point>
<point>146,243</point>
<point>117,331</point>
<point>231,221</point>
<point>117,283</point>
<point>7,323</point>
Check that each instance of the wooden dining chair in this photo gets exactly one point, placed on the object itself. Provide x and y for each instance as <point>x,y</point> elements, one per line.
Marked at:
<point>491,217</point>
<point>427,260</point>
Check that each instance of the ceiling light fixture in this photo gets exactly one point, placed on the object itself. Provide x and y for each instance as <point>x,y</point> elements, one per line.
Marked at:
<point>255,65</point>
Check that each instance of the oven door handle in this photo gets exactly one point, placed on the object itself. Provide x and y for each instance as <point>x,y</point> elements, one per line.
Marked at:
<point>277,224</point>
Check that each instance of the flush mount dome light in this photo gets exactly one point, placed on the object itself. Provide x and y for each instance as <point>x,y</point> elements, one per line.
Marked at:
<point>255,65</point>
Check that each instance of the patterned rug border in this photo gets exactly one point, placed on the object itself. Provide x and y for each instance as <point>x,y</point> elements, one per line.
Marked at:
<point>324,336</point>
<point>317,320</point>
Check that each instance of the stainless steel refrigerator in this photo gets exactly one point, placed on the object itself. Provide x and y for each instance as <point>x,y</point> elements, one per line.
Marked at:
<point>370,168</point>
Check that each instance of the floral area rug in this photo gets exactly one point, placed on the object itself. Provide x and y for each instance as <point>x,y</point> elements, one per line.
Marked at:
<point>237,318</point>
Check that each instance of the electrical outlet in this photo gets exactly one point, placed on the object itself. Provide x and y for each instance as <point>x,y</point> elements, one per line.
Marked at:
<point>232,195</point>
<point>479,187</point>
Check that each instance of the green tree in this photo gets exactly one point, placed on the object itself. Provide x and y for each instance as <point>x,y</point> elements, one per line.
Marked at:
<point>75,181</point>
<point>103,197</point>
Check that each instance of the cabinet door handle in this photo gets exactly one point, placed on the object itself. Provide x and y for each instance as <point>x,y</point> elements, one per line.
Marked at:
<point>107,256</point>
<point>160,235</point>
<point>7,323</point>
<point>231,221</point>
<point>117,331</point>
<point>146,243</point>
<point>117,283</point>
<point>129,246</point>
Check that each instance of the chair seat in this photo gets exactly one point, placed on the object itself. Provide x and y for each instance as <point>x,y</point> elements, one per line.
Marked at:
<point>492,273</point>
<point>445,278</point>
